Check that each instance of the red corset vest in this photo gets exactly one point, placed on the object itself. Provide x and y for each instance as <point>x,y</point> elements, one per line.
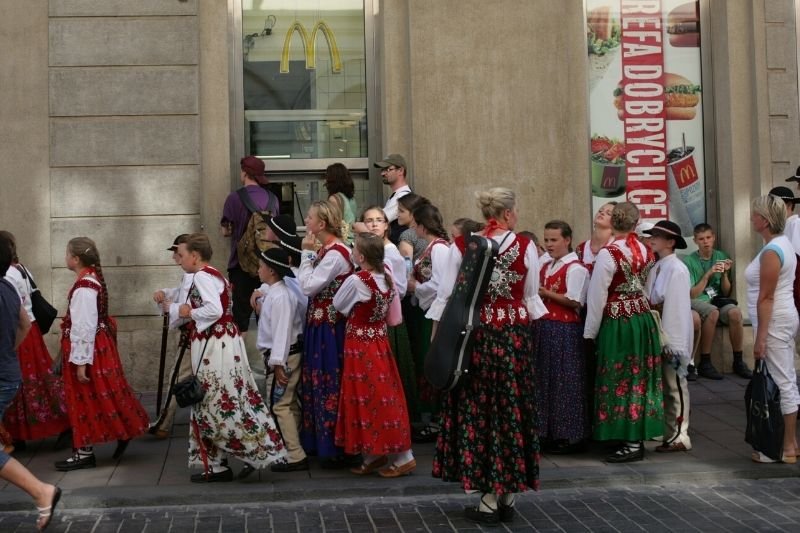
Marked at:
<point>367,320</point>
<point>423,268</point>
<point>320,307</point>
<point>626,292</point>
<point>225,325</point>
<point>103,320</point>
<point>504,302</point>
<point>557,282</point>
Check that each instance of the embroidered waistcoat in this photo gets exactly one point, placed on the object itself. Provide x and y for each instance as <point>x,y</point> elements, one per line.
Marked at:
<point>320,306</point>
<point>626,292</point>
<point>225,324</point>
<point>367,319</point>
<point>557,282</point>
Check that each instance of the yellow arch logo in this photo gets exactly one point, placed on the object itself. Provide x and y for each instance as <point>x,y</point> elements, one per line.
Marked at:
<point>310,46</point>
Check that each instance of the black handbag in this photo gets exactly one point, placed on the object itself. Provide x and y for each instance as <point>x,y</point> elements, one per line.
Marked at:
<point>44,313</point>
<point>448,358</point>
<point>190,391</point>
<point>762,400</point>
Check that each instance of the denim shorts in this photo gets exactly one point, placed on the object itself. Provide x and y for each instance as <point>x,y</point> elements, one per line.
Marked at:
<point>8,390</point>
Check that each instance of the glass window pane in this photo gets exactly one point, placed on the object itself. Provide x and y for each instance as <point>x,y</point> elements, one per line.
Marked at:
<point>304,76</point>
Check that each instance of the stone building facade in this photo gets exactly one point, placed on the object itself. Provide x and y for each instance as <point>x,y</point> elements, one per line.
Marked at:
<point>116,124</point>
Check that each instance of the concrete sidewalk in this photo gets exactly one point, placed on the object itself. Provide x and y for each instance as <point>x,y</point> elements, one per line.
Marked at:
<point>154,472</point>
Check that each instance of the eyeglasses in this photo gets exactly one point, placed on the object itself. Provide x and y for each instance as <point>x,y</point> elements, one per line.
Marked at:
<point>374,220</point>
<point>388,169</point>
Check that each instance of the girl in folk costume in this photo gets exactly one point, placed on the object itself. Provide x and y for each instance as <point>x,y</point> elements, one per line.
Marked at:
<point>424,283</point>
<point>667,288</point>
<point>373,419</point>
<point>376,222</point>
<point>232,418</point>
<point>628,404</point>
<point>488,440</point>
<point>558,344</point>
<point>38,411</point>
<point>602,235</point>
<point>100,403</point>
<point>320,275</point>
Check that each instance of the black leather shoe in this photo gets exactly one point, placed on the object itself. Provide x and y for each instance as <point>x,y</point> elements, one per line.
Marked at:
<point>691,373</point>
<point>213,477</point>
<point>76,462</point>
<point>505,512</point>
<point>567,448</point>
<point>627,454</point>
<point>707,370</point>
<point>741,370</point>
<point>122,445</point>
<point>290,467</point>
<point>491,518</point>
<point>245,472</point>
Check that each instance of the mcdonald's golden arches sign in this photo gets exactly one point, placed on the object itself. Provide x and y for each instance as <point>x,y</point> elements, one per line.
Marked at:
<point>310,45</point>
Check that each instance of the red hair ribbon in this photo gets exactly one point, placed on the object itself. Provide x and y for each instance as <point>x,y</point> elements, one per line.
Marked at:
<point>633,243</point>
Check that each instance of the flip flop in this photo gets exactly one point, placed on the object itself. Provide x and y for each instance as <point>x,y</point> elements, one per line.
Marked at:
<point>47,512</point>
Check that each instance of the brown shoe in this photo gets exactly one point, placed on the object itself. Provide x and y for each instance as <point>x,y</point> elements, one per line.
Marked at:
<point>401,470</point>
<point>365,468</point>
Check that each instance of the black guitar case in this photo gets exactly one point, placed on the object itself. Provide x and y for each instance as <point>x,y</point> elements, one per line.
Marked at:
<point>448,357</point>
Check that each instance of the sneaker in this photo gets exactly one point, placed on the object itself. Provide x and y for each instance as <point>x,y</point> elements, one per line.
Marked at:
<point>741,370</point>
<point>692,373</point>
<point>708,371</point>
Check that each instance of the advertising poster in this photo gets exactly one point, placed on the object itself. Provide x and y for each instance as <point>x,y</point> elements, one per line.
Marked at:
<point>645,105</point>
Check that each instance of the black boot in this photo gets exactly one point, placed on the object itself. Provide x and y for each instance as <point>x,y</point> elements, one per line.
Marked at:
<point>707,370</point>
<point>740,368</point>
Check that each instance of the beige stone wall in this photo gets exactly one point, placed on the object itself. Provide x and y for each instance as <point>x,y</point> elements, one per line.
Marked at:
<point>116,125</point>
<point>480,94</point>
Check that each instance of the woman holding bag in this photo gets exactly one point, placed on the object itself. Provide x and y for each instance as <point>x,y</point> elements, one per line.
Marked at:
<point>770,279</point>
<point>38,410</point>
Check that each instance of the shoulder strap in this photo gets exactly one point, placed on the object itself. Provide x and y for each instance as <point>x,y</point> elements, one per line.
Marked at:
<point>244,196</point>
<point>29,278</point>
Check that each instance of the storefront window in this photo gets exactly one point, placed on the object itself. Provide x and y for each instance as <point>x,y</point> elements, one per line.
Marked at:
<point>304,77</point>
<point>646,108</point>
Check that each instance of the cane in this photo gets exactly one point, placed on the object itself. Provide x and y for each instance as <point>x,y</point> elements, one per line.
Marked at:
<point>162,363</point>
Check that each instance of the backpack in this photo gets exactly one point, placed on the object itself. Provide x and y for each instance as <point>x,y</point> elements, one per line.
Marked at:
<point>253,239</point>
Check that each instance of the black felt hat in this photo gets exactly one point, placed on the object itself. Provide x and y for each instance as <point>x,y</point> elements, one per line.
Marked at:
<point>670,230</point>
<point>278,260</point>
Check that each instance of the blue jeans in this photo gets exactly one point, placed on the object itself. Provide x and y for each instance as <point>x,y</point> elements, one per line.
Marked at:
<point>8,390</point>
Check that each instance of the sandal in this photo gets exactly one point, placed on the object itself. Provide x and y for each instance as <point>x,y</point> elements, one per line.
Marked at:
<point>399,470</point>
<point>365,468</point>
<point>46,513</point>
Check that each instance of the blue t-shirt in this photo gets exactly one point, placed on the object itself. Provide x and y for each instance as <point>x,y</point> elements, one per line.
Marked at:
<point>9,319</point>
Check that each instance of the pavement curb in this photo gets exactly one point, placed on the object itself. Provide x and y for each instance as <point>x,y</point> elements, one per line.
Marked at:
<point>417,485</point>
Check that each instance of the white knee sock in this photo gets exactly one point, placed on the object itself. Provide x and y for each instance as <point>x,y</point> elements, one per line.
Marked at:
<point>403,457</point>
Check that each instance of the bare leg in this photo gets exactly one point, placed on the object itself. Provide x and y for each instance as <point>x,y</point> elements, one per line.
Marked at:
<point>707,331</point>
<point>735,329</point>
<point>789,436</point>
<point>15,473</point>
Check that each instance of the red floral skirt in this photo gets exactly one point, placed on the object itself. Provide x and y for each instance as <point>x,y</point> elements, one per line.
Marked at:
<point>105,409</point>
<point>373,414</point>
<point>38,410</point>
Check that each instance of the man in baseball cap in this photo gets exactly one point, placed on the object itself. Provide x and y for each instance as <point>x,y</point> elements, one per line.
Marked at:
<point>394,173</point>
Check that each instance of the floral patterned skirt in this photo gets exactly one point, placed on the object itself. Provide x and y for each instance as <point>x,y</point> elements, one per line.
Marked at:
<point>373,418</point>
<point>401,348</point>
<point>319,388</point>
<point>488,440</point>
<point>629,402</point>
<point>38,411</point>
<point>560,380</point>
<point>232,418</point>
<point>105,409</point>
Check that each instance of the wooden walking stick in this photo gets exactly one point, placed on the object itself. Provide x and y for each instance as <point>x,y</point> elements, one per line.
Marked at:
<point>162,363</point>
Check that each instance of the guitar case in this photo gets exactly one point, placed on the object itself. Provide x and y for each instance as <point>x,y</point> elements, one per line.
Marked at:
<point>448,357</point>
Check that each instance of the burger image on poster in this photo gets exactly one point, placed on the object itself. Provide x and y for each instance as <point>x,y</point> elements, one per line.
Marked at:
<point>682,97</point>
<point>683,25</point>
<point>603,40</point>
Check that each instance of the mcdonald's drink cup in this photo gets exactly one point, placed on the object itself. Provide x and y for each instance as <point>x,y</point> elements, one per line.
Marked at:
<point>608,180</point>
<point>683,176</point>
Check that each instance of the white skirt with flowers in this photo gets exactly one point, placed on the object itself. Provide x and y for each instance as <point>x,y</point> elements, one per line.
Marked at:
<point>232,418</point>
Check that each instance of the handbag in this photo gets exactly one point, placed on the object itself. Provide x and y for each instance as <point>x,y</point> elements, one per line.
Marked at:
<point>762,400</point>
<point>662,335</point>
<point>44,313</point>
<point>722,301</point>
<point>395,315</point>
<point>190,391</point>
